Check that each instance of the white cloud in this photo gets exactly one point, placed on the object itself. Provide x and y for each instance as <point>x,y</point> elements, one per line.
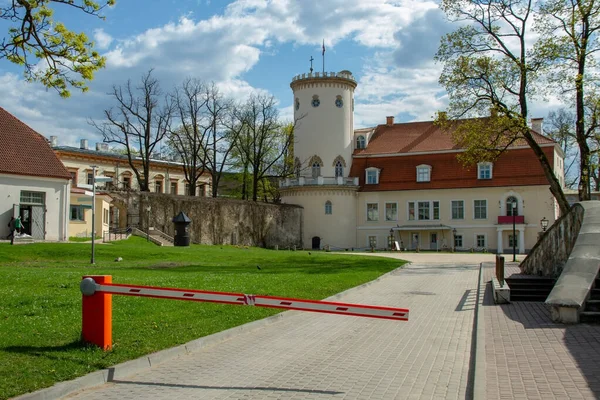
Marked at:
<point>224,47</point>
<point>102,39</point>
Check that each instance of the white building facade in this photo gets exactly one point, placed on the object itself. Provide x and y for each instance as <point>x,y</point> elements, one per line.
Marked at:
<point>401,185</point>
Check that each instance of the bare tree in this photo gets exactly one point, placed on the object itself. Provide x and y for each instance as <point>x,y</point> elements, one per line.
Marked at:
<point>561,128</point>
<point>188,139</point>
<point>139,123</point>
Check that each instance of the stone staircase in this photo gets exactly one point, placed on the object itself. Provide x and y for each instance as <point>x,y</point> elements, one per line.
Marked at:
<point>591,312</point>
<point>157,237</point>
<point>529,288</point>
<point>161,237</point>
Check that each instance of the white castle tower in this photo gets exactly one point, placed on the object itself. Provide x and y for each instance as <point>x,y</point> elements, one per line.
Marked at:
<point>323,146</point>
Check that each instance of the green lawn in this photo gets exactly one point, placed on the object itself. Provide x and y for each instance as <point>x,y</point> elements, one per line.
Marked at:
<point>40,301</point>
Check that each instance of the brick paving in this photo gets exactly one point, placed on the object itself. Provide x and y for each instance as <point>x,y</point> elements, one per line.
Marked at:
<point>317,356</point>
<point>527,356</point>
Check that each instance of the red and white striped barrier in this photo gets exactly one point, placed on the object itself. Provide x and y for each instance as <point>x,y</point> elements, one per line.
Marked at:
<point>100,289</point>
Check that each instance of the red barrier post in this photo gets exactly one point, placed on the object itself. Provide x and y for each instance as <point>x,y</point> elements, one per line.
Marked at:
<point>96,324</point>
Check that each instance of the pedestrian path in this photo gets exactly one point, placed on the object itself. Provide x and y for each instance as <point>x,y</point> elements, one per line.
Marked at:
<point>527,356</point>
<point>320,356</point>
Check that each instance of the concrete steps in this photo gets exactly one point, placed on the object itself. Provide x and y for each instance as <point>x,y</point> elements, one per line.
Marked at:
<point>530,289</point>
<point>591,312</point>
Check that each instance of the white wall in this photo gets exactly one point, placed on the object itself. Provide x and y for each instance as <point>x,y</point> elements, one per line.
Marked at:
<point>56,202</point>
<point>326,130</point>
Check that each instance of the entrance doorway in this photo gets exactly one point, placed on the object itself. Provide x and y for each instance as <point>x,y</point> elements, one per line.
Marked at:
<point>316,243</point>
<point>33,220</point>
<point>433,242</point>
<point>414,240</point>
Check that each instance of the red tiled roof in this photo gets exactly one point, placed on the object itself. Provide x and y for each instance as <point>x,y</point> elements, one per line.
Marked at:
<point>23,151</point>
<point>418,137</point>
<point>515,167</point>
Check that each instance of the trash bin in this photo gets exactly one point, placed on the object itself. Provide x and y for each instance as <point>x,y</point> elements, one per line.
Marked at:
<point>182,229</point>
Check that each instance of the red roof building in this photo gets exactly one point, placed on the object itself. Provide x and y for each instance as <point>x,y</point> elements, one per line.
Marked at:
<point>33,181</point>
<point>401,185</point>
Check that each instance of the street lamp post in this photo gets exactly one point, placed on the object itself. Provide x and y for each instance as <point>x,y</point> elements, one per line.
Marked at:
<point>95,179</point>
<point>544,223</point>
<point>514,241</point>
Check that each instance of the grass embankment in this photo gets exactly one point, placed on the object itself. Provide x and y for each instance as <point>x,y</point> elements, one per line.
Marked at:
<point>40,306</point>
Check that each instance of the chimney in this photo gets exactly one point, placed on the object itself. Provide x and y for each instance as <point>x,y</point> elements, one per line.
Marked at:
<point>98,146</point>
<point>104,146</point>
<point>83,144</point>
<point>389,121</point>
<point>53,141</point>
<point>536,125</point>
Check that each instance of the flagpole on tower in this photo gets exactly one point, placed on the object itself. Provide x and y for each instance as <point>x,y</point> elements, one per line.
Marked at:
<point>323,57</point>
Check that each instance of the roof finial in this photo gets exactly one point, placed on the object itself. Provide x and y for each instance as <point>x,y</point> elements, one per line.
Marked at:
<point>311,60</point>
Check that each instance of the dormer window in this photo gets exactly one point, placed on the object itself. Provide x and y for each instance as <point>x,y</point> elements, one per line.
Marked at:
<point>372,176</point>
<point>424,173</point>
<point>484,170</point>
<point>360,142</point>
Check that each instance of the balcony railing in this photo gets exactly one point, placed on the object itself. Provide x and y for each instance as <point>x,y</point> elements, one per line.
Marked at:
<point>319,181</point>
<point>508,219</point>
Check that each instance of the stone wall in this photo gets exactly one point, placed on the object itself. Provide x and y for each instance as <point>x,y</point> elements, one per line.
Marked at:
<point>548,257</point>
<point>223,221</point>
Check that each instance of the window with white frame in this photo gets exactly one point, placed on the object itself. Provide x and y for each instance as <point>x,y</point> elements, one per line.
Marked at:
<point>458,209</point>
<point>423,173</point>
<point>90,178</point>
<point>480,240</point>
<point>484,170</point>
<point>372,177</point>
<point>509,206</point>
<point>372,242</point>
<point>360,142</point>
<point>372,212</point>
<point>480,209</point>
<point>391,211</point>
<point>458,241</point>
<point>316,170</point>
<point>328,207</point>
<point>28,197</point>
<point>77,213</point>
<point>339,169</point>
<point>436,210</point>
<point>423,210</point>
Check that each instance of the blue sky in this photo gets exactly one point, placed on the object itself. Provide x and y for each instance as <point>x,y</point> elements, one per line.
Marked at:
<point>246,46</point>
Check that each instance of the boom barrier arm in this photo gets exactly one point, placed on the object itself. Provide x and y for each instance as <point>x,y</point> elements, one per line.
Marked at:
<point>97,291</point>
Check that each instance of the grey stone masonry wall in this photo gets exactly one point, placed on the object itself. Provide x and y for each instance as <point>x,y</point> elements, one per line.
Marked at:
<point>549,255</point>
<point>224,221</point>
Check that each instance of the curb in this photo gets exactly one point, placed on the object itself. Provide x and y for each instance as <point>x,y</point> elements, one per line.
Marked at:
<point>128,368</point>
<point>479,339</point>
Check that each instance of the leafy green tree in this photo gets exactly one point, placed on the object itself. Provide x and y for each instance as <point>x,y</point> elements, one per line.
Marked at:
<point>488,69</point>
<point>569,30</point>
<point>68,58</point>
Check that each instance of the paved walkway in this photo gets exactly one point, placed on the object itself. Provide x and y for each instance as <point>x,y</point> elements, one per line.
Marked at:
<point>319,356</point>
<point>529,357</point>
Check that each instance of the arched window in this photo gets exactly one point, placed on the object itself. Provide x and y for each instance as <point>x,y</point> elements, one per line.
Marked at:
<point>328,207</point>
<point>339,169</point>
<point>509,206</point>
<point>316,170</point>
<point>360,142</point>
